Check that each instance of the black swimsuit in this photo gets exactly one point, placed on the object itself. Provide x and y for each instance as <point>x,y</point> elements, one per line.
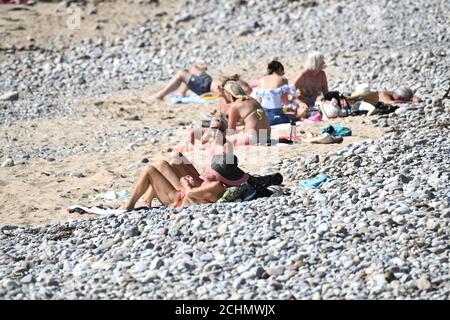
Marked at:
<point>200,84</point>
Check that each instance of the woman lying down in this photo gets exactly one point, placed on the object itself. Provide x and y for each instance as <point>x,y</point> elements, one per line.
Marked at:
<point>177,183</point>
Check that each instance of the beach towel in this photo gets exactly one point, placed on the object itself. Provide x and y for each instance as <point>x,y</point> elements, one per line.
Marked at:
<point>337,131</point>
<point>315,182</point>
<point>98,210</point>
<point>101,210</point>
<point>194,99</point>
<point>108,196</point>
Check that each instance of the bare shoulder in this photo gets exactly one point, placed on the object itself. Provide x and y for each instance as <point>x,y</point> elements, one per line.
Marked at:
<point>302,73</point>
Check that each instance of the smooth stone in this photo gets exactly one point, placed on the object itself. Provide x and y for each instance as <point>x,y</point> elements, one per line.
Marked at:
<point>10,96</point>
<point>8,163</point>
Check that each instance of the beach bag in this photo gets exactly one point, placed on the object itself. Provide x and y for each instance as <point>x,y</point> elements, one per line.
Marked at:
<point>344,105</point>
<point>329,110</point>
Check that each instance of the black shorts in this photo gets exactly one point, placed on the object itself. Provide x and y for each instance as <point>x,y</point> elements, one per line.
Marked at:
<point>200,84</point>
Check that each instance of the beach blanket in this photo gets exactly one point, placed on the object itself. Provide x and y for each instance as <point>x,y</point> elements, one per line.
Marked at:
<point>194,99</point>
<point>315,182</point>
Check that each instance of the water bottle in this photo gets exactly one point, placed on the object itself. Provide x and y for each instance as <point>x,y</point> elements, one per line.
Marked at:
<point>293,133</point>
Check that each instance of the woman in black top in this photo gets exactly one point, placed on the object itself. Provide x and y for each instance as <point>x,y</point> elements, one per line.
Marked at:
<point>195,79</point>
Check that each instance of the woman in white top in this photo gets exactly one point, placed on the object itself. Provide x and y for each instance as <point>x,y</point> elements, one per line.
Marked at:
<point>273,92</point>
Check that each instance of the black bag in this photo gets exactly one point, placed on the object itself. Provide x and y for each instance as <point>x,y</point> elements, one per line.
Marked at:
<point>333,94</point>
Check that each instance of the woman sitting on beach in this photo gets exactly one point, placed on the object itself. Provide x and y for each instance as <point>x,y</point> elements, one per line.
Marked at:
<point>312,82</point>
<point>195,79</point>
<point>241,106</point>
<point>177,183</point>
<point>224,104</point>
<point>209,136</point>
<point>272,92</point>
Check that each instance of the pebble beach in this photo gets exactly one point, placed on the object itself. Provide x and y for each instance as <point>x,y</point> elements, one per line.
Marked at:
<point>74,121</point>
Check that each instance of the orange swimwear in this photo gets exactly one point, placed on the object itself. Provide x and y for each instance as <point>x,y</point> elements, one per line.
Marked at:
<point>182,196</point>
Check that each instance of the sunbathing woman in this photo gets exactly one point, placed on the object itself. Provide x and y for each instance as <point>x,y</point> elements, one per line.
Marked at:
<point>256,124</point>
<point>272,92</point>
<point>224,105</point>
<point>312,82</point>
<point>177,185</point>
<point>195,79</point>
<point>401,95</point>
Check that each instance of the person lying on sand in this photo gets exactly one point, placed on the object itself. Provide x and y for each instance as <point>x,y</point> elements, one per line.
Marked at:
<point>177,184</point>
<point>402,94</point>
<point>195,79</point>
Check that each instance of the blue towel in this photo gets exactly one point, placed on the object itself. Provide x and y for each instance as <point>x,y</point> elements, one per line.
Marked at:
<point>338,131</point>
<point>193,99</point>
<point>315,182</point>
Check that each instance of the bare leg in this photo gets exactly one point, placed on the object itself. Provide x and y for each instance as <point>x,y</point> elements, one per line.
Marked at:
<point>170,174</point>
<point>163,189</point>
<point>195,134</point>
<point>182,76</point>
<point>183,89</point>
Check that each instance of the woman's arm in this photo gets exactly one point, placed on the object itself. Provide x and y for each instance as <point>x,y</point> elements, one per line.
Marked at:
<point>224,106</point>
<point>324,83</point>
<point>211,191</point>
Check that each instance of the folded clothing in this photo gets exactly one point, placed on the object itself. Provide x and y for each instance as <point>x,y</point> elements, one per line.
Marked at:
<point>315,182</point>
<point>337,131</point>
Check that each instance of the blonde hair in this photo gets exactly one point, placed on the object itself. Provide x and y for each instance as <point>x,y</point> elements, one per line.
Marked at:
<point>314,60</point>
<point>404,93</point>
<point>201,64</point>
<point>231,77</point>
<point>235,89</point>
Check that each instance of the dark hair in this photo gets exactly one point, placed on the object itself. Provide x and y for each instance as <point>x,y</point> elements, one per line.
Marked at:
<point>274,66</point>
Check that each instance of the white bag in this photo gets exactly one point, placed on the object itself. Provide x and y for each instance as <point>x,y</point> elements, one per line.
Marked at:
<point>329,109</point>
